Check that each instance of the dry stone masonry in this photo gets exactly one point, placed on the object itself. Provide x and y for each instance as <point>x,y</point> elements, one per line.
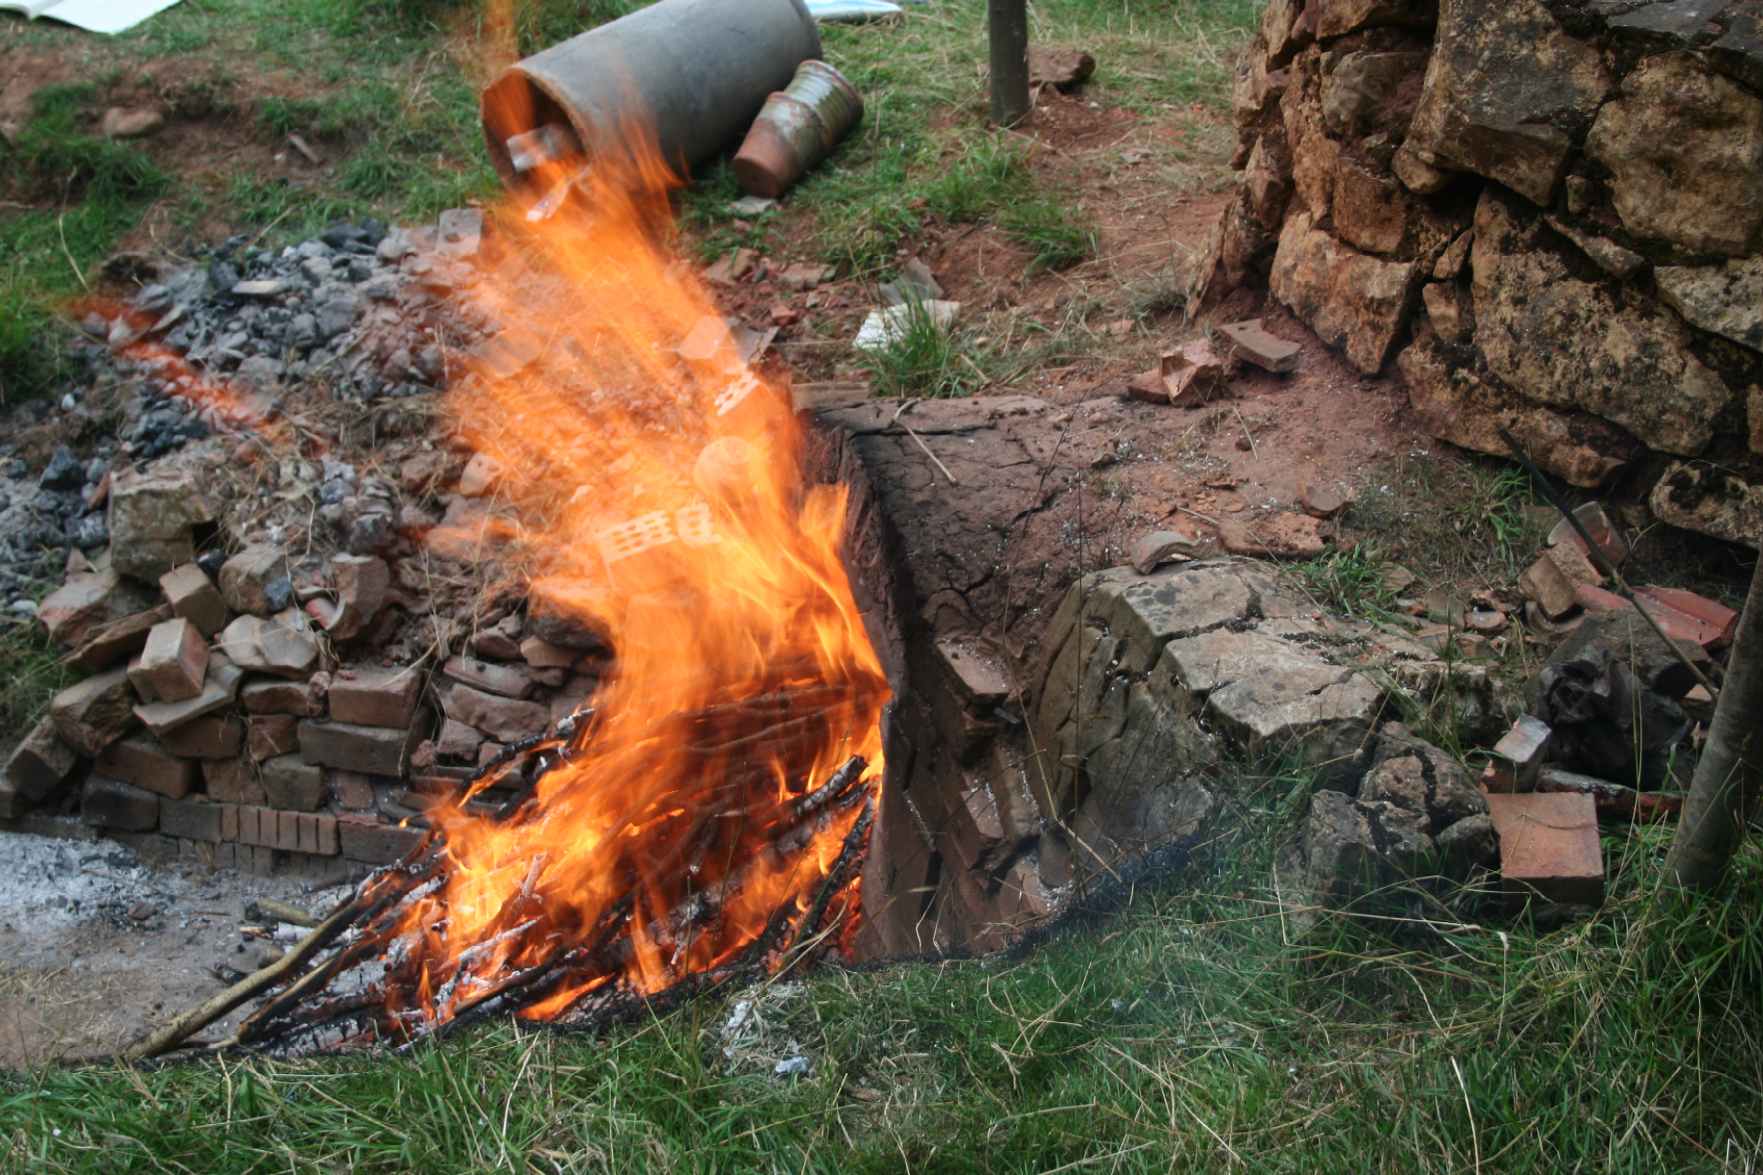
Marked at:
<point>1545,216</point>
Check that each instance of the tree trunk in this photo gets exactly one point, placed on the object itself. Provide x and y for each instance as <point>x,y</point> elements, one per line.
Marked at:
<point>1729,776</point>
<point>1007,21</point>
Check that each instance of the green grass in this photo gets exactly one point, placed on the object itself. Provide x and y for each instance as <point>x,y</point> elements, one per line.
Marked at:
<point>1452,518</point>
<point>1349,581</point>
<point>925,360</point>
<point>1193,1030</point>
<point>1050,232</point>
<point>30,674</point>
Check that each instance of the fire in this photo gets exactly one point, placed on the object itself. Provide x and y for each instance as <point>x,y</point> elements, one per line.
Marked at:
<point>660,488</point>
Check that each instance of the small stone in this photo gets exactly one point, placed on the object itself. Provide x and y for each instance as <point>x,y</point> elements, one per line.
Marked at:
<point>1323,499</point>
<point>1284,534</point>
<point>1160,547</point>
<point>459,233</point>
<point>121,122</point>
<point>480,475</point>
<point>804,277</point>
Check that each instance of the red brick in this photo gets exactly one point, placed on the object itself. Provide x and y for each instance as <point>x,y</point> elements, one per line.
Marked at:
<point>229,822</point>
<point>1677,626</point>
<point>140,760</point>
<point>272,735</point>
<point>326,827</point>
<point>374,842</point>
<point>1549,846</point>
<point>116,642</point>
<point>191,819</point>
<point>370,750</point>
<point>1721,621</point>
<point>375,697</point>
<point>1519,755</point>
<point>287,831</point>
<point>292,783</point>
<point>194,597</point>
<point>40,764</point>
<point>216,736</point>
<point>94,713</point>
<point>173,663</point>
<point>275,696</point>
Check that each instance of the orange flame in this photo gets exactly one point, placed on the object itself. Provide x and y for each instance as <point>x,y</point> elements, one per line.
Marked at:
<point>661,489</point>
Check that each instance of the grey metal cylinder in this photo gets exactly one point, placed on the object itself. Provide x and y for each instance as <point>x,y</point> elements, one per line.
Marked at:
<point>696,71</point>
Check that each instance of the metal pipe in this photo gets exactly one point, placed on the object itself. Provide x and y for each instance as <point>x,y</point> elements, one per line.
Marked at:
<point>694,71</point>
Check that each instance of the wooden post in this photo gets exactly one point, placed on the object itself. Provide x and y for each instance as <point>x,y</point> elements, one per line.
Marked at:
<point>1729,776</point>
<point>1007,21</point>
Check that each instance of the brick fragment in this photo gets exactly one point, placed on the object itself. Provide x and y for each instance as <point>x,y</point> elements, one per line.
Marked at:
<point>232,781</point>
<point>291,782</point>
<point>74,612</point>
<point>351,789</point>
<point>40,764</point>
<point>374,842</point>
<point>542,654</point>
<point>1549,846</point>
<point>255,581</point>
<point>193,596</point>
<point>1251,342</point>
<point>1519,755</point>
<point>194,819</point>
<point>370,750</point>
<point>376,697</point>
<point>505,719</point>
<point>218,692</point>
<point>509,681</point>
<point>114,643</point>
<point>280,696</point>
<point>1545,582</point>
<point>284,647</point>
<point>117,806</point>
<point>141,760</point>
<point>173,663</point>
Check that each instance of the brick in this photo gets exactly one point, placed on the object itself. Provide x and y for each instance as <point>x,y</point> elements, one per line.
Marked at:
<point>216,736</point>
<point>193,819</point>
<point>505,719</point>
<point>257,861</point>
<point>114,643</point>
<point>117,806</point>
<point>351,789</point>
<point>217,693</point>
<point>1545,582</point>
<point>287,831</point>
<point>153,515</point>
<point>40,764</point>
<point>376,697</point>
<point>1719,621</point>
<point>457,742</point>
<point>173,663</point>
<point>193,596</point>
<point>1251,342</point>
<point>250,818</point>
<point>272,735</point>
<point>140,760</point>
<point>373,842</point>
<point>255,581</point>
<point>1549,846</point>
<point>541,654</point>
<point>1591,515</point>
<point>1677,626</point>
<point>74,612</point>
<point>229,821</point>
<point>1519,755</point>
<point>509,681</point>
<point>280,696</point>
<point>291,782</point>
<point>370,750</point>
<point>92,714</point>
<point>232,781</point>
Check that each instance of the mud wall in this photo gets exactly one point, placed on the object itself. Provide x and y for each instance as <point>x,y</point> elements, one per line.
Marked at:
<point>1542,215</point>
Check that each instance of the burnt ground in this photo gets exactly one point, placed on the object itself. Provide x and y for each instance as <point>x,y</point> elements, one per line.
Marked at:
<point>1067,492</point>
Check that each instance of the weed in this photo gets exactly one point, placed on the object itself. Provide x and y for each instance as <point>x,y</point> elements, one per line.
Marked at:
<point>1349,581</point>
<point>1047,229</point>
<point>30,674</point>
<point>923,359</point>
<point>1451,518</point>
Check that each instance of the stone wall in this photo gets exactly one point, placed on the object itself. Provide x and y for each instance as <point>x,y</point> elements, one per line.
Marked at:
<point>1543,215</point>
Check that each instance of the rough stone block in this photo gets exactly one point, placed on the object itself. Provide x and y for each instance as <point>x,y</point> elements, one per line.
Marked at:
<point>272,735</point>
<point>216,736</point>
<point>290,782</point>
<point>173,663</point>
<point>92,714</point>
<point>153,516</point>
<point>194,597</point>
<point>1352,300</point>
<point>192,819</point>
<point>256,582</point>
<point>376,697</point>
<point>370,750</point>
<point>140,759</point>
<point>1549,846</point>
<point>40,764</point>
<point>117,806</point>
<point>373,842</point>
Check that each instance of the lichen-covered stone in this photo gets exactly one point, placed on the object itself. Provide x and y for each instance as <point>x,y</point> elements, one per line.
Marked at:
<point>1725,299</point>
<point>1353,301</point>
<point>1710,500</point>
<point>1685,151</point>
<point>1506,91</point>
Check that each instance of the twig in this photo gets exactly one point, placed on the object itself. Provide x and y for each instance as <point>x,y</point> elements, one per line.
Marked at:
<point>201,1017</point>
<point>1606,564</point>
<point>61,231</point>
<point>913,433</point>
<point>282,912</point>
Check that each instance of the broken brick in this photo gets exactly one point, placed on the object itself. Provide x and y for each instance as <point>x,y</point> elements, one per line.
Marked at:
<point>193,596</point>
<point>91,714</point>
<point>510,681</point>
<point>218,692</point>
<point>40,764</point>
<point>291,782</point>
<point>216,736</point>
<point>256,582</point>
<point>76,610</point>
<point>278,696</point>
<point>271,735</point>
<point>1519,755</point>
<point>375,843</point>
<point>282,647</point>
<point>505,719</point>
<point>173,663</point>
<point>117,806</point>
<point>1250,341</point>
<point>114,643</point>
<point>1549,846</point>
<point>376,697</point>
<point>140,760</point>
<point>370,750</point>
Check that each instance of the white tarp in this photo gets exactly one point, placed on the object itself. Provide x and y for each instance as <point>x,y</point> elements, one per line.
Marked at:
<point>95,16</point>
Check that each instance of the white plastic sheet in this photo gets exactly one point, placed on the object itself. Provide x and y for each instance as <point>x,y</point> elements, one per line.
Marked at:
<point>95,16</point>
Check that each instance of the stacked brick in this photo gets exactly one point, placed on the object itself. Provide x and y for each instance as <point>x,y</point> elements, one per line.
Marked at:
<point>235,716</point>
